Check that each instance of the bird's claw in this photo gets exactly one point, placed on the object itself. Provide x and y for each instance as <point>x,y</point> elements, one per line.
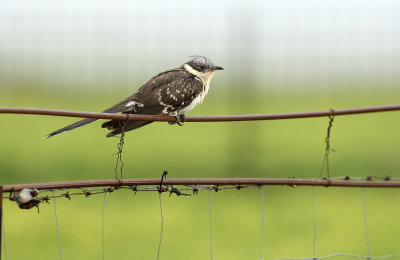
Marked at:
<point>180,119</point>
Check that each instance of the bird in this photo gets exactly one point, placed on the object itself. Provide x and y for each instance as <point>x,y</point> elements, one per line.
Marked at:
<point>173,92</point>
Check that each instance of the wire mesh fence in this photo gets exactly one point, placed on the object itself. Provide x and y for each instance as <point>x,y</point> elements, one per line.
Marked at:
<point>51,195</point>
<point>35,194</point>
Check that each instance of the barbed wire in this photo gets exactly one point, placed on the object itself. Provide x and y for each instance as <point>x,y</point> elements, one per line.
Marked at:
<point>30,195</point>
<point>342,181</point>
<point>186,190</point>
<point>195,189</point>
<point>178,186</point>
<point>215,118</point>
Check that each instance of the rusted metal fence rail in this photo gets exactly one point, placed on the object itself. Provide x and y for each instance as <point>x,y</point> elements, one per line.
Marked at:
<point>205,181</point>
<point>216,118</point>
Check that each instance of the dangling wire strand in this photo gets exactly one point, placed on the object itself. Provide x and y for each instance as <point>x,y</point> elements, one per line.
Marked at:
<point>366,223</point>
<point>2,226</point>
<point>119,161</point>
<point>327,146</point>
<point>315,226</point>
<point>211,249</point>
<point>58,231</point>
<point>4,238</point>
<point>120,146</point>
<point>102,222</point>
<point>262,222</point>
<point>162,226</point>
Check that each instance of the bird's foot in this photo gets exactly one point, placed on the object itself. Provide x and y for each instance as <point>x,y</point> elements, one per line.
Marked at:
<point>180,119</point>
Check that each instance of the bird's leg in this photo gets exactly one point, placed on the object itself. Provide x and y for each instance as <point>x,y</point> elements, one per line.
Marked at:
<point>180,119</point>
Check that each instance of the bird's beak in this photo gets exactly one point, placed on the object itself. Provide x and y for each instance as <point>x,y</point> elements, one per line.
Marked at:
<point>217,68</point>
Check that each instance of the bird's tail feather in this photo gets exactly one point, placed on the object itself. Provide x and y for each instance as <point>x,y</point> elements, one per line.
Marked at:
<point>122,126</point>
<point>72,126</point>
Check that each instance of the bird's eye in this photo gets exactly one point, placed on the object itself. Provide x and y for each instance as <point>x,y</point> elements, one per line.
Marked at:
<point>203,67</point>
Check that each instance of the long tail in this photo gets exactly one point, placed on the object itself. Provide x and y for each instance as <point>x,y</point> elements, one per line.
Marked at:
<point>119,107</point>
<point>72,126</point>
<point>118,127</point>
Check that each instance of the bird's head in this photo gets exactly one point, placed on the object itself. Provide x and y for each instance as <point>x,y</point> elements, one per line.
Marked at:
<point>201,67</point>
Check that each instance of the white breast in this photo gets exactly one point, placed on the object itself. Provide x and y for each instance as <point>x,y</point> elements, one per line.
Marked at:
<point>198,100</point>
<point>205,78</point>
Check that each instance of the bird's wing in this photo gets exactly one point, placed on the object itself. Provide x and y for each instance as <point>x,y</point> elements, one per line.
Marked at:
<point>131,103</point>
<point>145,100</point>
<point>166,92</point>
<point>163,94</point>
<point>178,93</point>
<point>172,89</point>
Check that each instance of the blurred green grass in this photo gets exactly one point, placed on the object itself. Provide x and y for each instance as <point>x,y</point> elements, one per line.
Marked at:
<point>364,144</point>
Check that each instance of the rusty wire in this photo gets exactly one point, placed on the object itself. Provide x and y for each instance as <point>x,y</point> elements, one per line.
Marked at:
<point>344,182</point>
<point>216,118</point>
<point>156,188</point>
<point>196,184</point>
